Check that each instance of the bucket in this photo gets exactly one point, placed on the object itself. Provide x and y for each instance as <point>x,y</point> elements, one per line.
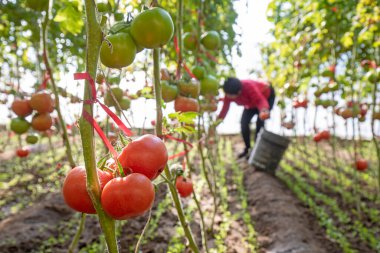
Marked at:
<point>268,151</point>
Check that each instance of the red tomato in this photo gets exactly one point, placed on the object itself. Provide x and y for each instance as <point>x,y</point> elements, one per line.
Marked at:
<point>146,155</point>
<point>264,115</point>
<point>317,137</point>
<point>332,68</point>
<point>153,122</point>
<point>184,104</point>
<point>325,134</point>
<point>21,107</point>
<point>361,164</point>
<point>184,186</point>
<point>22,152</point>
<point>42,122</point>
<point>128,197</point>
<point>75,192</point>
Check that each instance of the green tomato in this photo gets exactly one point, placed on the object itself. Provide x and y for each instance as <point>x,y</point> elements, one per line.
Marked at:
<point>209,85</point>
<point>104,7</point>
<point>169,92</point>
<point>199,72</point>
<point>125,104</point>
<point>189,88</point>
<point>37,5</point>
<point>152,28</point>
<point>119,16</point>
<point>32,138</point>
<point>19,125</point>
<point>118,94</point>
<point>120,53</point>
<point>211,40</point>
<point>189,41</point>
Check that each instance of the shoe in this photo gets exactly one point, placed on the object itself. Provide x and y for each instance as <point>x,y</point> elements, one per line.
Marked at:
<point>245,154</point>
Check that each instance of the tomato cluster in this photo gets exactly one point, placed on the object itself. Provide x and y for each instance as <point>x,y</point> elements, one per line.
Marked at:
<point>116,96</point>
<point>353,110</point>
<point>152,28</point>
<point>142,160</point>
<point>323,135</point>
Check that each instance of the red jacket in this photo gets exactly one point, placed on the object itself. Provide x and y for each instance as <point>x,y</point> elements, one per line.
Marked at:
<point>254,94</point>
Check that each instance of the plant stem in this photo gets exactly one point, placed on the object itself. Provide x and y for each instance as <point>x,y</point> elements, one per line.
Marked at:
<point>178,205</point>
<point>74,243</point>
<point>374,140</point>
<point>179,36</point>
<point>45,56</point>
<point>94,40</point>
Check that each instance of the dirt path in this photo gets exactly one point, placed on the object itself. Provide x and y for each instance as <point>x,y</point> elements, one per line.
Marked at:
<point>282,223</point>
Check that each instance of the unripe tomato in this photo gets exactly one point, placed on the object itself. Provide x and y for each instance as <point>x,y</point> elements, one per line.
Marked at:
<point>211,40</point>
<point>169,92</point>
<point>184,186</point>
<point>199,72</point>
<point>19,125</point>
<point>42,122</point>
<point>146,155</point>
<point>152,28</point>
<point>22,152</point>
<point>37,5</point>
<point>209,85</point>
<point>189,41</point>
<point>75,192</point>
<point>128,197</point>
<point>361,164</point>
<point>125,104</point>
<point>118,50</point>
<point>42,102</point>
<point>117,93</point>
<point>32,138</point>
<point>184,104</point>
<point>189,88</point>
<point>21,107</point>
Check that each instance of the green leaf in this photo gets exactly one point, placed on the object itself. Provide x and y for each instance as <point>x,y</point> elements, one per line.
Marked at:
<point>69,19</point>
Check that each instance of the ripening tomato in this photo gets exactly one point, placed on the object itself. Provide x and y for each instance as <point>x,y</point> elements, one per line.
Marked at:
<point>128,197</point>
<point>332,68</point>
<point>19,125</point>
<point>21,107</point>
<point>189,88</point>
<point>169,91</point>
<point>118,50</point>
<point>189,41</point>
<point>42,102</point>
<point>42,122</point>
<point>75,192</point>
<point>146,155</point>
<point>184,104</point>
<point>32,138</point>
<point>346,113</point>
<point>152,28</point>
<point>376,115</point>
<point>199,72</point>
<point>22,152</point>
<point>209,85</point>
<point>210,40</point>
<point>361,164</point>
<point>37,5</point>
<point>184,186</point>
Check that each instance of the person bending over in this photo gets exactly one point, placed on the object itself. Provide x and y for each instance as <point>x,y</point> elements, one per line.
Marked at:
<point>256,96</point>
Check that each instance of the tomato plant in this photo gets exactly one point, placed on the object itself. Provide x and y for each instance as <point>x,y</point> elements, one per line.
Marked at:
<point>146,155</point>
<point>128,197</point>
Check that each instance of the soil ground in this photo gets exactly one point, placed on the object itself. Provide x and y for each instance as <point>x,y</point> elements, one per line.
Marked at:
<point>282,223</point>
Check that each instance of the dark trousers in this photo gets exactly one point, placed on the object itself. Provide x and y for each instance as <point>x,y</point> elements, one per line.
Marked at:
<point>247,117</point>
